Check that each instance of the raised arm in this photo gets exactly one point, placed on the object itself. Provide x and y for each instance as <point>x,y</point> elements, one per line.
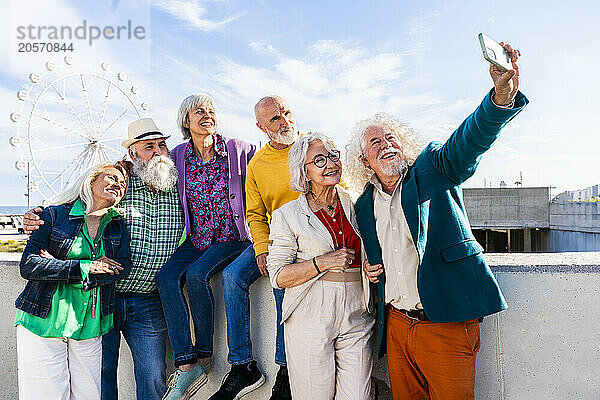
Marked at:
<point>459,156</point>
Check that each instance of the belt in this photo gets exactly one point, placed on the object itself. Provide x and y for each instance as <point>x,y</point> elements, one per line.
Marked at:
<point>413,314</point>
<point>346,276</point>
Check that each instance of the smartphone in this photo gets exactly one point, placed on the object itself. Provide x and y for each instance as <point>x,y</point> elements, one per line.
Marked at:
<point>494,53</point>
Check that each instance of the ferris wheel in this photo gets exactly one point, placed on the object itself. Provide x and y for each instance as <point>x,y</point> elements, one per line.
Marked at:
<point>69,120</point>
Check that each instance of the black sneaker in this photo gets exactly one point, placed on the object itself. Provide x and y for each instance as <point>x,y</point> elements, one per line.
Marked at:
<point>241,380</point>
<point>281,388</point>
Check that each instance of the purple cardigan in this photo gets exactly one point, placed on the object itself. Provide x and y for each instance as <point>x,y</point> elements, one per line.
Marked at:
<point>239,154</point>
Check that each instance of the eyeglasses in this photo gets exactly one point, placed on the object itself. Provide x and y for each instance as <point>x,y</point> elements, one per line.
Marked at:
<point>320,160</point>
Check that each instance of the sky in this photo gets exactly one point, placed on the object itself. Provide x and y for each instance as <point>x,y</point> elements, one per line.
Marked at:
<point>335,62</point>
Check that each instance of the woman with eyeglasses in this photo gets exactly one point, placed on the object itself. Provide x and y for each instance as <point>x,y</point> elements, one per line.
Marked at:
<point>316,255</point>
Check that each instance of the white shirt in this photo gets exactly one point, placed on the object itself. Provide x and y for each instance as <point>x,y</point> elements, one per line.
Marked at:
<point>400,258</point>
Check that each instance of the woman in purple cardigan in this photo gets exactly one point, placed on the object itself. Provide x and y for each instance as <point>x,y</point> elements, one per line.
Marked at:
<point>212,173</point>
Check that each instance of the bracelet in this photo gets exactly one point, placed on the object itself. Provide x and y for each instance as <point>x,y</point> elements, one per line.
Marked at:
<point>316,266</point>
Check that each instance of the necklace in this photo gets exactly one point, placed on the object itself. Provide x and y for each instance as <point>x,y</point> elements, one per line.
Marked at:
<point>330,207</point>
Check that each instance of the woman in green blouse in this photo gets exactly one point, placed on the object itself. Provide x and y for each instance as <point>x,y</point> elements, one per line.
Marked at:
<point>71,264</point>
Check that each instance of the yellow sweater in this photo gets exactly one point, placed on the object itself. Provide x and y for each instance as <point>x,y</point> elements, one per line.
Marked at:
<point>267,189</point>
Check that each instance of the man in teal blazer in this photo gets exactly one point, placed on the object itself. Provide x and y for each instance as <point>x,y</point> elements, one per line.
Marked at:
<point>432,282</point>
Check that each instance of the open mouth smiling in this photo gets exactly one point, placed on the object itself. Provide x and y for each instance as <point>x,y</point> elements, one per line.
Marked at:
<point>388,155</point>
<point>113,191</point>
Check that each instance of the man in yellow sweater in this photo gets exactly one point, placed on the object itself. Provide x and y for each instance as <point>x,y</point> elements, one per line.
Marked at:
<point>267,189</point>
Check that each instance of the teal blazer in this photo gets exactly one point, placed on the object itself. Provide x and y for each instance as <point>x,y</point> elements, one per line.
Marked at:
<point>453,279</point>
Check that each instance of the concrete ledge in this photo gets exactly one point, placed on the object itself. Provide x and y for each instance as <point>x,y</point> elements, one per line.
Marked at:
<point>545,346</point>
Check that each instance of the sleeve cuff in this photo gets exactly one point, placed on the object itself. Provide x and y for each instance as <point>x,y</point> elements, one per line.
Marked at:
<point>509,106</point>
<point>260,248</point>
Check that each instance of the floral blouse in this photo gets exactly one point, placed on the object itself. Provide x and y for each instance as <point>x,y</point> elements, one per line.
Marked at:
<point>207,190</point>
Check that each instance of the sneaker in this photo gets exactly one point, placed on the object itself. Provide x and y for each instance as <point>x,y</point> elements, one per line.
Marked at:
<point>241,380</point>
<point>183,385</point>
<point>281,388</point>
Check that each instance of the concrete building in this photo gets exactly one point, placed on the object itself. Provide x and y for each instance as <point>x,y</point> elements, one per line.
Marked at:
<point>509,219</point>
<point>587,194</point>
<point>524,219</point>
<point>575,226</point>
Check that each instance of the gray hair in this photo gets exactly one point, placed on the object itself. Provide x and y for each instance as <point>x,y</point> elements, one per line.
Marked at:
<point>297,159</point>
<point>189,103</point>
<point>81,188</point>
<point>356,174</point>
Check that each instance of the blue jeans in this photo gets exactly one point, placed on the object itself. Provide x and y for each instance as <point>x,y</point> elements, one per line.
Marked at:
<point>237,278</point>
<point>279,343</point>
<point>196,267</point>
<point>140,318</point>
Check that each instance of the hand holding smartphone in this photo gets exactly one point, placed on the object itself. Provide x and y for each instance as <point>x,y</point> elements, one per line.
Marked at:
<point>504,69</point>
<point>494,53</point>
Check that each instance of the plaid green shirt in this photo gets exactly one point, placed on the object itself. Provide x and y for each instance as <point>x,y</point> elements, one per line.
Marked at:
<point>155,222</point>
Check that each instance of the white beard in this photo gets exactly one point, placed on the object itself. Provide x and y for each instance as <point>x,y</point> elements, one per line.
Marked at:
<point>286,136</point>
<point>159,173</point>
<point>398,166</point>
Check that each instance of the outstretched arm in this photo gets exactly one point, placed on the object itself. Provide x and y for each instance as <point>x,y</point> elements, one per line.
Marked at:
<point>458,158</point>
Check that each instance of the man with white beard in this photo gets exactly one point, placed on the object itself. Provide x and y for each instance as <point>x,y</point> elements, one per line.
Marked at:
<point>431,281</point>
<point>155,221</point>
<point>267,189</point>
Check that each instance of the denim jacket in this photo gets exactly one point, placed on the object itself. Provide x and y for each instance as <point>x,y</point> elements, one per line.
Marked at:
<point>56,236</point>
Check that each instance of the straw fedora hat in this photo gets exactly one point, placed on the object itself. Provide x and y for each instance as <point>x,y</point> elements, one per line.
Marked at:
<point>142,129</point>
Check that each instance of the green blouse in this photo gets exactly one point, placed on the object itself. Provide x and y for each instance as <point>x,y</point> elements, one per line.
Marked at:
<point>71,314</point>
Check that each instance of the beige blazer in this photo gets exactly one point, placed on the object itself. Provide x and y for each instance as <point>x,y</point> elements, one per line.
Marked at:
<point>298,235</point>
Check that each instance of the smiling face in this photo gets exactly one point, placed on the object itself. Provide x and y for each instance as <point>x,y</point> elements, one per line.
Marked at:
<point>383,153</point>
<point>146,149</point>
<point>327,175</point>
<point>274,117</point>
<point>202,120</point>
<point>108,188</point>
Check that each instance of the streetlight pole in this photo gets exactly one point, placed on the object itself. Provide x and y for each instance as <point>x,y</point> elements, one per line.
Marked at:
<point>28,187</point>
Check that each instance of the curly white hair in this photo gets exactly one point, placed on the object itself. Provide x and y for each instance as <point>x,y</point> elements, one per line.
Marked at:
<point>356,174</point>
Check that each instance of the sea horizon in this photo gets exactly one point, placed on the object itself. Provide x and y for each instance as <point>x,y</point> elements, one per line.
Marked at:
<point>13,210</point>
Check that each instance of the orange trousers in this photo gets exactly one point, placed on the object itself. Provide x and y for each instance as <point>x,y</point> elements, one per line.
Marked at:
<point>430,360</point>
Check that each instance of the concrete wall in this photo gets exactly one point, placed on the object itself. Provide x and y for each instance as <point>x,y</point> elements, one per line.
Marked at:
<point>581,217</point>
<point>507,208</point>
<point>573,241</point>
<point>545,346</point>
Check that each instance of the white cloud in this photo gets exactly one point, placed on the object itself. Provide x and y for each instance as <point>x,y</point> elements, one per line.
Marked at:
<point>378,71</point>
<point>194,13</point>
<point>335,53</point>
<point>263,48</point>
<point>330,87</point>
<point>303,75</point>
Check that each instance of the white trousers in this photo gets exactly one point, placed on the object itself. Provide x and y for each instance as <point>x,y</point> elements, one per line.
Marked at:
<point>328,344</point>
<point>58,368</point>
